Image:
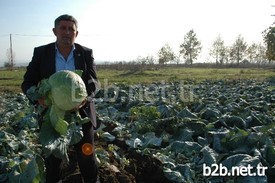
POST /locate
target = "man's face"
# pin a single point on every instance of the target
(65, 33)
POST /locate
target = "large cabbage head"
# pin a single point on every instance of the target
(68, 90)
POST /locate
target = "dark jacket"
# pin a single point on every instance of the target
(42, 66)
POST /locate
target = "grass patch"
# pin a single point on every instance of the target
(11, 80)
(175, 74)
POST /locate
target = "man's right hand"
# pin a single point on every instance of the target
(41, 102)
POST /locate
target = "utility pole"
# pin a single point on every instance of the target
(11, 54)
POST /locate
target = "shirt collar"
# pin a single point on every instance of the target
(57, 50)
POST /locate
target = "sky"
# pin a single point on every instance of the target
(123, 30)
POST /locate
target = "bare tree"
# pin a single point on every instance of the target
(144, 62)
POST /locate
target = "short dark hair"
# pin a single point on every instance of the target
(66, 18)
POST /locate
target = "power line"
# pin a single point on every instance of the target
(26, 35)
(37, 35)
(33, 35)
(4, 35)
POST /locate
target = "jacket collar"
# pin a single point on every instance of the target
(79, 57)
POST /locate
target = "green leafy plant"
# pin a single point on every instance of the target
(232, 124)
(145, 113)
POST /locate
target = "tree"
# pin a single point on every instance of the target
(166, 54)
(149, 60)
(252, 52)
(238, 49)
(191, 47)
(177, 59)
(261, 54)
(269, 40)
(218, 50)
(144, 61)
(256, 53)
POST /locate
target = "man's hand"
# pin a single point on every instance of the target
(41, 102)
(81, 105)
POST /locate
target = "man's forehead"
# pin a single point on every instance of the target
(67, 23)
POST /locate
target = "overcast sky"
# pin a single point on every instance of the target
(124, 29)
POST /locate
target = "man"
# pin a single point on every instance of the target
(65, 54)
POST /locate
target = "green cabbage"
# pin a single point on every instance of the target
(64, 92)
(67, 90)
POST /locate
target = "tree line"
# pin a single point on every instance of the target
(239, 51)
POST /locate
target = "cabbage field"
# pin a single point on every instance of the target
(179, 131)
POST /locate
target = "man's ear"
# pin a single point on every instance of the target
(76, 34)
(54, 31)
